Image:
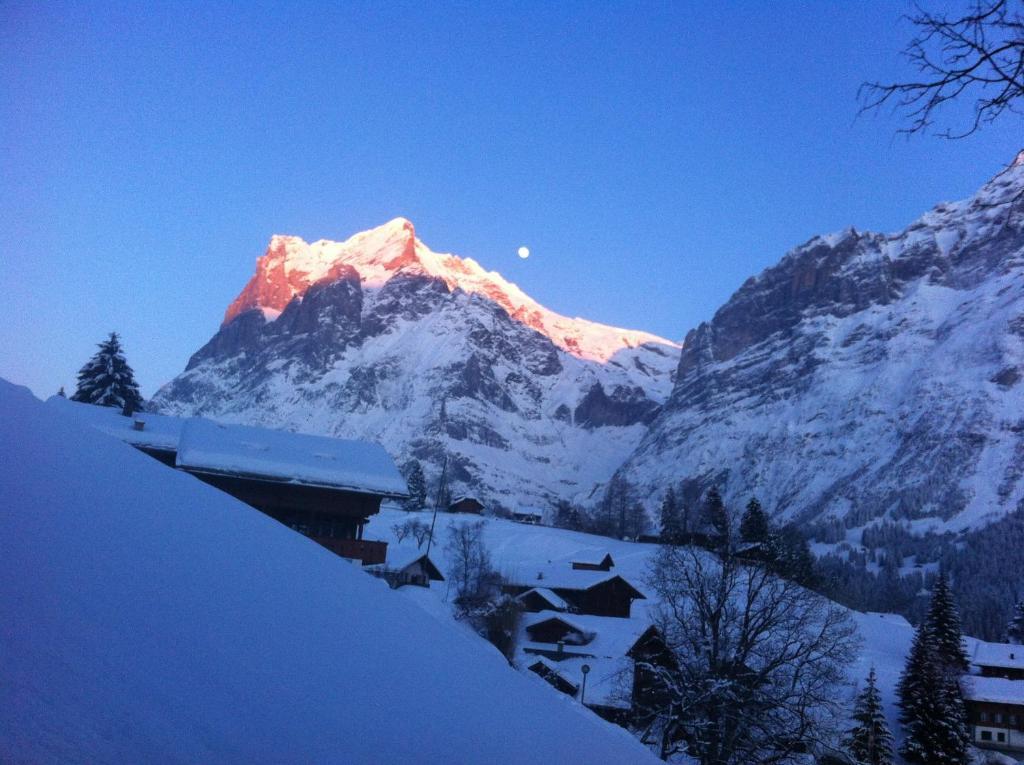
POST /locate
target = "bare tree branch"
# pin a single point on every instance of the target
(978, 56)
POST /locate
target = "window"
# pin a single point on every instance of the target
(998, 717)
(1001, 738)
(1013, 720)
(986, 735)
(983, 716)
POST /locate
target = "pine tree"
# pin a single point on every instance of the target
(869, 742)
(417, 484)
(671, 523)
(931, 707)
(107, 380)
(754, 526)
(716, 516)
(61, 392)
(944, 625)
(1015, 630)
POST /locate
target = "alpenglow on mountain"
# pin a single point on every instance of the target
(865, 377)
(380, 338)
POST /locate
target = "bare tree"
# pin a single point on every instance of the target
(978, 55)
(472, 573)
(760, 660)
(414, 527)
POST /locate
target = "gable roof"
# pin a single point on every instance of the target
(298, 458)
(556, 602)
(606, 562)
(995, 690)
(401, 557)
(562, 576)
(613, 637)
(1001, 655)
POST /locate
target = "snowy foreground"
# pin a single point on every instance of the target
(150, 618)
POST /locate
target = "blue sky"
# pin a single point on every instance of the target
(652, 155)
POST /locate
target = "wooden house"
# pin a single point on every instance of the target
(994, 696)
(325, 488)
(407, 566)
(466, 505)
(532, 517)
(598, 593)
(603, 564)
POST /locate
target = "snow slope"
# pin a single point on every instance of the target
(150, 618)
(378, 338)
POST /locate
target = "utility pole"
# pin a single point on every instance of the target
(437, 501)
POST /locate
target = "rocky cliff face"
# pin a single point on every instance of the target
(380, 338)
(866, 376)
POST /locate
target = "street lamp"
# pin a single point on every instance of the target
(585, 669)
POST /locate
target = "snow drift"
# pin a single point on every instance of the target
(151, 618)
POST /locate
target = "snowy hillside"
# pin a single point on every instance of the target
(380, 338)
(151, 618)
(864, 377)
(520, 549)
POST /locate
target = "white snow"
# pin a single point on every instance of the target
(148, 617)
(1002, 655)
(997, 690)
(296, 457)
(158, 431)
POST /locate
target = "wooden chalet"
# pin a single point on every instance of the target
(466, 505)
(621, 657)
(531, 517)
(324, 488)
(584, 591)
(994, 696)
(407, 566)
(604, 564)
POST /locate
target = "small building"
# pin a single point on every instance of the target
(994, 696)
(603, 564)
(407, 565)
(618, 657)
(541, 599)
(466, 505)
(584, 591)
(532, 517)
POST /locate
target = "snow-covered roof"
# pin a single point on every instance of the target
(403, 556)
(549, 596)
(278, 455)
(613, 637)
(996, 690)
(1002, 655)
(159, 431)
(562, 575)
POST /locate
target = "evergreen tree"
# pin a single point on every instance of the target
(790, 556)
(1015, 630)
(671, 522)
(754, 526)
(944, 625)
(869, 742)
(417, 484)
(107, 380)
(61, 392)
(931, 707)
(716, 517)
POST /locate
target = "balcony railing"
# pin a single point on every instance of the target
(366, 550)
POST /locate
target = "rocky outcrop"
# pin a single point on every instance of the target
(865, 376)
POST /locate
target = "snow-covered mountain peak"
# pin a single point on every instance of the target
(291, 265)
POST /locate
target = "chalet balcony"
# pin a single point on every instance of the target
(366, 550)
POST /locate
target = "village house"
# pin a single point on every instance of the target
(324, 488)
(606, 663)
(466, 505)
(591, 589)
(532, 517)
(407, 565)
(994, 696)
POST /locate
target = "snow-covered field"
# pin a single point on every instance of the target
(150, 618)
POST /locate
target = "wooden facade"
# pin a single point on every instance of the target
(605, 564)
(466, 505)
(997, 726)
(610, 597)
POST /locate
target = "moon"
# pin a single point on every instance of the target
(524, 252)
